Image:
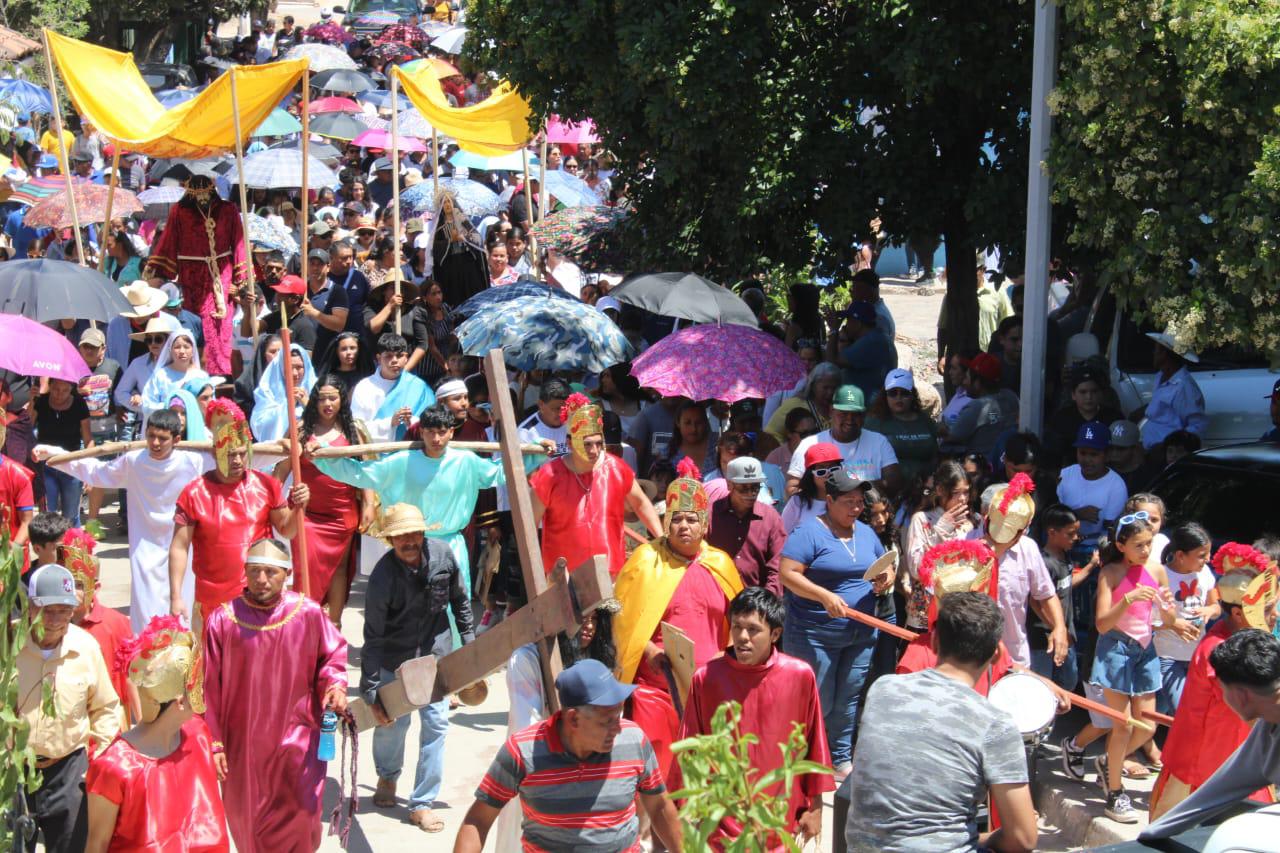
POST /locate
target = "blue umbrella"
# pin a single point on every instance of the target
(570, 190)
(536, 333)
(377, 97)
(505, 293)
(268, 235)
(473, 197)
(26, 96)
(278, 123)
(513, 162)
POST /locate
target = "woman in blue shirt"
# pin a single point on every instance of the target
(822, 568)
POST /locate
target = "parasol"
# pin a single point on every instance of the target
(43, 290)
(536, 333)
(35, 350)
(322, 57)
(53, 211)
(714, 362)
(686, 296)
(473, 198)
(525, 287)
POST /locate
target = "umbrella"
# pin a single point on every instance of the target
(333, 104)
(268, 234)
(687, 296)
(377, 97)
(322, 57)
(91, 206)
(170, 98)
(343, 80)
(411, 123)
(219, 63)
(536, 333)
(281, 168)
(522, 288)
(439, 67)
(338, 126)
(180, 169)
(322, 151)
(402, 33)
(38, 188)
(474, 198)
(450, 41)
(157, 201)
(513, 162)
(570, 190)
(45, 290)
(727, 363)
(381, 16)
(35, 350)
(559, 130)
(575, 231)
(278, 123)
(26, 96)
(382, 139)
(393, 51)
(328, 32)
(372, 122)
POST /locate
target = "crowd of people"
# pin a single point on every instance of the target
(767, 539)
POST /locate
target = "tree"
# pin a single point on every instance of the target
(757, 134)
(1166, 144)
(68, 17)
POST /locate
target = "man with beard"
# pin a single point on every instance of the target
(867, 455)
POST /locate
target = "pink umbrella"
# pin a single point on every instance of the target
(721, 362)
(559, 130)
(333, 104)
(382, 139)
(32, 349)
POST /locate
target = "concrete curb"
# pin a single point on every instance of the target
(1075, 808)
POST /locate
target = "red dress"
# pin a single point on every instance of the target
(167, 805)
(15, 497)
(332, 523)
(584, 512)
(110, 628)
(227, 518)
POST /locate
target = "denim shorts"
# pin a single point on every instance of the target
(1123, 665)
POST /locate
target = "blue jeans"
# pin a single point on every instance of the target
(62, 494)
(388, 750)
(1173, 677)
(840, 658)
(1064, 676)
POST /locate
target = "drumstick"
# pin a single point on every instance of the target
(880, 624)
(1089, 704)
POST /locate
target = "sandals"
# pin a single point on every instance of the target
(426, 820)
(1135, 771)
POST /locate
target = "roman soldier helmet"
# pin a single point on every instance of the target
(1011, 510)
(164, 663)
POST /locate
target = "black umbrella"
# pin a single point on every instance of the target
(337, 126)
(45, 290)
(686, 296)
(322, 151)
(343, 80)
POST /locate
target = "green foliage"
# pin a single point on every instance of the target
(68, 17)
(1167, 143)
(720, 782)
(18, 768)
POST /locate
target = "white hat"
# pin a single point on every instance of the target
(744, 469)
(1167, 341)
(899, 377)
(50, 585)
(145, 299)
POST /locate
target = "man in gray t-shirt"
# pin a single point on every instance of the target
(930, 747)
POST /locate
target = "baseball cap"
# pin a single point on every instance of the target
(1093, 435)
(862, 311)
(414, 226)
(321, 229)
(608, 303)
(587, 682)
(744, 469)
(48, 161)
(381, 163)
(51, 585)
(849, 399)
(292, 285)
(842, 483)
(93, 338)
(986, 365)
(899, 377)
(24, 116)
(822, 452)
(320, 255)
(170, 290)
(1125, 434)
(1275, 389)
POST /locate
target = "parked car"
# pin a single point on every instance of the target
(352, 11)
(167, 75)
(1233, 491)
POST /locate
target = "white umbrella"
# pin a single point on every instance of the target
(323, 57)
(450, 41)
(281, 168)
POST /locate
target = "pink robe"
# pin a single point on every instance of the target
(266, 672)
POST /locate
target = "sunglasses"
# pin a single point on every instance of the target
(155, 339)
(824, 473)
(1132, 518)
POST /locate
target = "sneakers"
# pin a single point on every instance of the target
(1072, 759)
(1119, 808)
(1100, 767)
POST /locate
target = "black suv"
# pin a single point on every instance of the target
(1233, 491)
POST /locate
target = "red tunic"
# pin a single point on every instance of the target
(584, 512)
(110, 628)
(15, 498)
(919, 655)
(332, 520)
(167, 805)
(227, 518)
(774, 696)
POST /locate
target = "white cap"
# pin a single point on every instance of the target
(899, 377)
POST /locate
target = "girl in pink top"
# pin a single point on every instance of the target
(1132, 594)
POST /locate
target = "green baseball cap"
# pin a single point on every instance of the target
(849, 399)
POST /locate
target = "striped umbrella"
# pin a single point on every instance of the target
(38, 188)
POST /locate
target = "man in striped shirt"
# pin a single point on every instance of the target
(577, 775)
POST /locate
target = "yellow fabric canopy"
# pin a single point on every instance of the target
(497, 125)
(107, 88)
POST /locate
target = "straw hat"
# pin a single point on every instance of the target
(408, 290)
(400, 519)
(145, 299)
(155, 326)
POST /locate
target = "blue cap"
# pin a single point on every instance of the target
(1093, 435)
(24, 116)
(48, 161)
(589, 682)
(862, 311)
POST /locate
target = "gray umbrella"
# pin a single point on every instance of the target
(343, 80)
(686, 296)
(45, 290)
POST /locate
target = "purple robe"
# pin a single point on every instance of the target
(266, 672)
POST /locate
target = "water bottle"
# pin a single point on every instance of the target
(326, 749)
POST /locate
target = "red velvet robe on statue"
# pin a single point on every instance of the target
(774, 696)
(266, 672)
(181, 253)
(167, 805)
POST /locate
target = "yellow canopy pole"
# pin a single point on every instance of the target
(395, 191)
(106, 219)
(435, 164)
(305, 147)
(244, 208)
(528, 204)
(62, 146)
(542, 177)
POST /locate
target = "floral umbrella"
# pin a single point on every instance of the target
(322, 57)
(329, 33)
(91, 206)
(718, 362)
(403, 33)
(474, 198)
(271, 235)
(394, 51)
(577, 231)
(536, 333)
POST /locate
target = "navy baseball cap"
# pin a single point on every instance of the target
(1093, 435)
(862, 311)
(589, 682)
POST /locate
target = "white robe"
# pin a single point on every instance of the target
(153, 488)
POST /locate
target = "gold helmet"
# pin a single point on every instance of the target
(581, 418)
(230, 431)
(1011, 510)
(686, 494)
(165, 664)
(77, 557)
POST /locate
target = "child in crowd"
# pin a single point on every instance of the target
(1061, 532)
(1093, 491)
(1195, 593)
(949, 517)
(46, 532)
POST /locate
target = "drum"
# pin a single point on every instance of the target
(1029, 701)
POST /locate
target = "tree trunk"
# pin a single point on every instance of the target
(962, 290)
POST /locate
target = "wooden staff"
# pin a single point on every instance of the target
(395, 189)
(62, 145)
(393, 446)
(1157, 717)
(301, 578)
(244, 209)
(435, 164)
(879, 624)
(542, 177)
(528, 201)
(111, 197)
(305, 147)
(111, 447)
